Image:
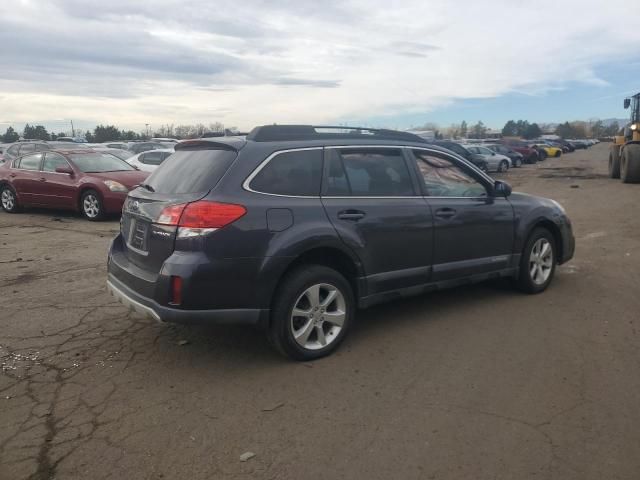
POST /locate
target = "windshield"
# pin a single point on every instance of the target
(99, 162)
(121, 154)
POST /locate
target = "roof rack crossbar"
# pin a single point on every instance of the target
(271, 133)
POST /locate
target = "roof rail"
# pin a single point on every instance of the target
(272, 133)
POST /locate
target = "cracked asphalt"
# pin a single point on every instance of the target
(479, 382)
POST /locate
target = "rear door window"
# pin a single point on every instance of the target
(191, 171)
(296, 173)
(374, 172)
(30, 162)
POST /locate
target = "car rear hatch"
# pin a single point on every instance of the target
(151, 213)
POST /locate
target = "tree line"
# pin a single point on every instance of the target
(109, 133)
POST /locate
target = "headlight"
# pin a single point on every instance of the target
(634, 126)
(115, 186)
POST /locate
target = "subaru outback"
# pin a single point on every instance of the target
(295, 228)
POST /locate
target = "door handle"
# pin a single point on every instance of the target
(445, 212)
(354, 215)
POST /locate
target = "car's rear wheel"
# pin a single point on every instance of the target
(9, 199)
(312, 312)
(91, 205)
(517, 163)
(558, 153)
(503, 166)
(542, 155)
(630, 164)
(538, 262)
(614, 161)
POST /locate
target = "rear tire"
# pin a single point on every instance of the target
(542, 155)
(313, 310)
(630, 164)
(91, 205)
(614, 161)
(558, 154)
(538, 262)
(9, 199)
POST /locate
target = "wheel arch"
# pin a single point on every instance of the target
(331, 256)
(82, 190)
(549, 225)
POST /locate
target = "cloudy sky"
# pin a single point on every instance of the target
(371, 62)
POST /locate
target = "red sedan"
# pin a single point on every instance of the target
(94, 183)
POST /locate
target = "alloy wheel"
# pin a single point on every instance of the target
(8, 199)
(91, 206)
(318, 316)
(541, 261)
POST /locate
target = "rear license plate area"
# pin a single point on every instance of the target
(138, 235)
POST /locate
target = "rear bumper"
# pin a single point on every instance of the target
(151, 309)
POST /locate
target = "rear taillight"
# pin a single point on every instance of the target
(171, 215)
(200, 216)
(205, 214)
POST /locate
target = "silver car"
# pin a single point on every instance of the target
(495, 161)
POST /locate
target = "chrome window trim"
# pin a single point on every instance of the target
(246, 184)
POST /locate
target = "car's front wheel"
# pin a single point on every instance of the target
(538, 262)
(312, 312)
(503, 166)
(8, 199)
(91, 205)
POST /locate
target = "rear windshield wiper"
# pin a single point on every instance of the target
(147, 187)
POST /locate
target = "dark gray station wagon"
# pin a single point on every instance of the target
(294, 228)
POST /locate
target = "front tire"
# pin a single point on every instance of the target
(91, 206)
(630, 164)
(614, 162)
(313, 309)
(558, 154)
(538, 262)
(503, 166)
(9, 199)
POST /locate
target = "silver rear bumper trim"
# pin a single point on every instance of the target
(127, 301)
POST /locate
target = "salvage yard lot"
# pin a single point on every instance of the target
(477, 382)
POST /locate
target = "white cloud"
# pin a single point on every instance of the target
(254, 62)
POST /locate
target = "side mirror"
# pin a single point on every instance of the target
(66, 170)
(493, 154)
(501, 189)
(627, 103)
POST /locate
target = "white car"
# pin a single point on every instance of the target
(495, 161)
(148, 161)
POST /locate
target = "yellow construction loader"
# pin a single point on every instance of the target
(624, 155)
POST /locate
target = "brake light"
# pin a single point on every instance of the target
(204, 214)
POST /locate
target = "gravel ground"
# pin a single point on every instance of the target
(478, 382)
